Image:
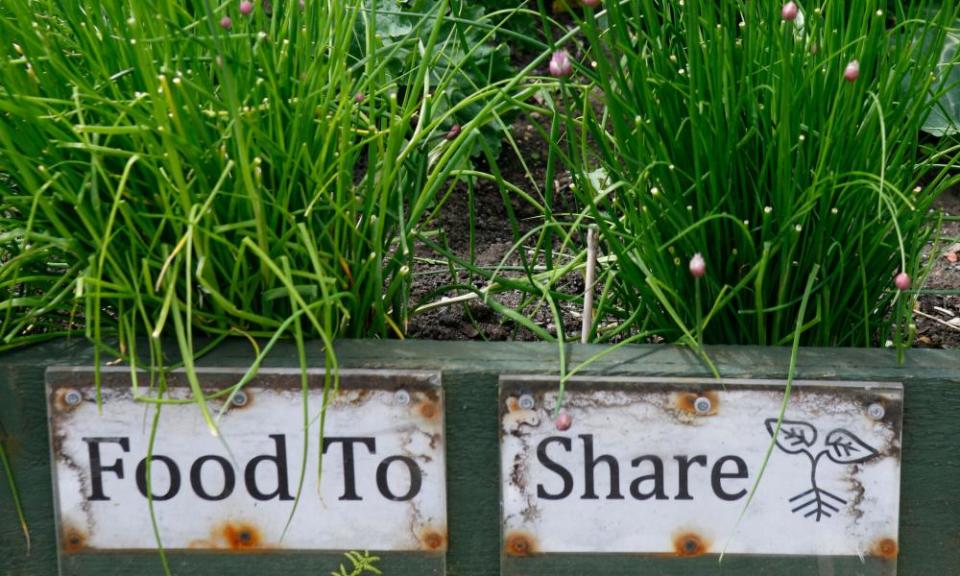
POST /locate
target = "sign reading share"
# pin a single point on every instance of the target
(382, 485)
(665, 466)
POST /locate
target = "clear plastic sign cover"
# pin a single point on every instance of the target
(667, 467)
(258, 485)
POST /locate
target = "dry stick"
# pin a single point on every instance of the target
(589, 280)
(935, 319)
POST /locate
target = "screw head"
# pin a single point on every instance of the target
(402, 397)
(702, 405)
(239, 399)
(526, 402)
(72, 397)
(876, 411)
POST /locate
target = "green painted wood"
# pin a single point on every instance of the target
(197, 564)
(930, 504)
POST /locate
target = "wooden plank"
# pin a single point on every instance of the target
(704, 565)
(473, 473)
(24, 417)
(203, 564)
(930, 508)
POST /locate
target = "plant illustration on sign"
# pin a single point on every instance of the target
(840, 446)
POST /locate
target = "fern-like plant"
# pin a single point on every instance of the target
(362, 563)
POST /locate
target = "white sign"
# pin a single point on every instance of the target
(382, 485)
(666, 466)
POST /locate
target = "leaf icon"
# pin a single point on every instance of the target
(794, 436)
(844, 447)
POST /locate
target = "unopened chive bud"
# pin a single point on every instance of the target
(226, 23)
(698, 267)
(564, 421)
(560, 65)
(902, 281)
(246, 7)
(789, 11)
(852, 71)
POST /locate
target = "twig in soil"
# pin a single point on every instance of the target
(935, 319)
(494, 286)
(588, 282)
(942, 310)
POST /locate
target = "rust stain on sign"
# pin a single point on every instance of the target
(885, 548)
(241, 535)
(693, 402)
(428, 410)
(382, 487)
(687, 452)
(73, 539)
(519, 543)
(66, 399)
(433, 540)
(689, 544)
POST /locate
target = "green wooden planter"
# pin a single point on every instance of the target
(930, 475)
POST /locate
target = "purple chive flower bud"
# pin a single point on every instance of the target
(591, 3)
(267, 8)
(564, 421)
(358, 98)
(902, 281)
(246, 7)
(226, 23)
(698, 267)
(852, 71)
(453, 133)
(789, 11)
(560, 65)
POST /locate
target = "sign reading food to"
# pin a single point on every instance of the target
(668, 465)
(259, 483)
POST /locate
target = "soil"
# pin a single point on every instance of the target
(493, 243)
(938, 317)
(938, 306)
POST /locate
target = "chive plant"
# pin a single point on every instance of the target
(202, 168)
(183, 171)
(772, 140)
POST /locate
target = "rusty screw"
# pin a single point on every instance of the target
(702, 405)
(527, 402)
(72, 397)
(876, 411)
(239, 399)
(402, 397)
